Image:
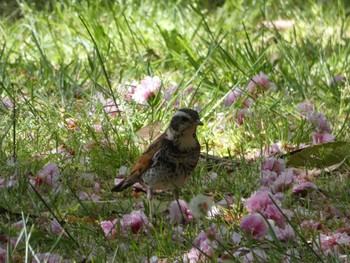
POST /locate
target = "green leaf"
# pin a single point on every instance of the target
(321, 155)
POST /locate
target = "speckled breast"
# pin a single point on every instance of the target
(171, 168)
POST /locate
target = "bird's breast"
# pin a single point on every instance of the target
(187, 143)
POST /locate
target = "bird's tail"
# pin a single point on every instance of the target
(123, 185)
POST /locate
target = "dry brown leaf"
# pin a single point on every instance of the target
(151, 131)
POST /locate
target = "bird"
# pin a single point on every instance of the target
(169, 161)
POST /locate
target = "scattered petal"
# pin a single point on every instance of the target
(319, 122)
(291, 255)
(146, 89)
(273, 164)
(255, 255)
(7, 102)
(337, 79)
(259, 84)
(169, 92)
(236, 238)
(275, 149)
(303, 188)
(283, 181)
(236, 96)
(267, 177)
(306, 107)
(258, 201)
(193, 256)
(284, 234)
(255, 225)
(109, 228)
(135, 221)
(56, 227)
(48, 177)
(322, 137)
(311, 224)
(179, 212)
(240, 115)
(47, 257)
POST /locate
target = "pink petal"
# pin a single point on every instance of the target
(259, 201)
(322, 138)
(259, 83)
(109, 228)
(306, 107)
(273, 164)
(273, 212)
(47, 257)
(255, 225)
(56, 227)
(50, 174)
(256, 256)
(193, 256)
(318, 120)
(236, 238)
(283, 181)
(233, 96)
(178, 216)
(286, 234)
(303, 188)
(135, 221)
(240, 115)
(7, 102)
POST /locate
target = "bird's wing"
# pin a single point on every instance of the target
(145, 161)
(142, 164)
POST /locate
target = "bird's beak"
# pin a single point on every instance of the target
(198, 122)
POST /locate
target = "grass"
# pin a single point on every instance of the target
(60, 60)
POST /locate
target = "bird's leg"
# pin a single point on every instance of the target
(150, 203)
(176, 195)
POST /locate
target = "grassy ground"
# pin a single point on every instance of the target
(67, 69)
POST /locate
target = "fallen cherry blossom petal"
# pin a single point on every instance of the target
(255, 255)
(318, 120)
(135, 221)
(46, 257)
(147, 88)
(240, 115)
(306, 107)
(179, 212)
(322, 137)
(283, 181)
(258, 201)
(273, 164)
(236, 238)
(109, 228)
(7, 102)
(56, 227)
(284, 234)
(255, 225)
(260, 83)
(303, 188)
(193, 256)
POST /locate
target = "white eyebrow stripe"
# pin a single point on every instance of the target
(181, 113)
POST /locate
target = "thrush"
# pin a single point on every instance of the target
(170, 160)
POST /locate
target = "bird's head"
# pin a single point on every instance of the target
(184, 121)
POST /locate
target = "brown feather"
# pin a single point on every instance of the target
(141, 165)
